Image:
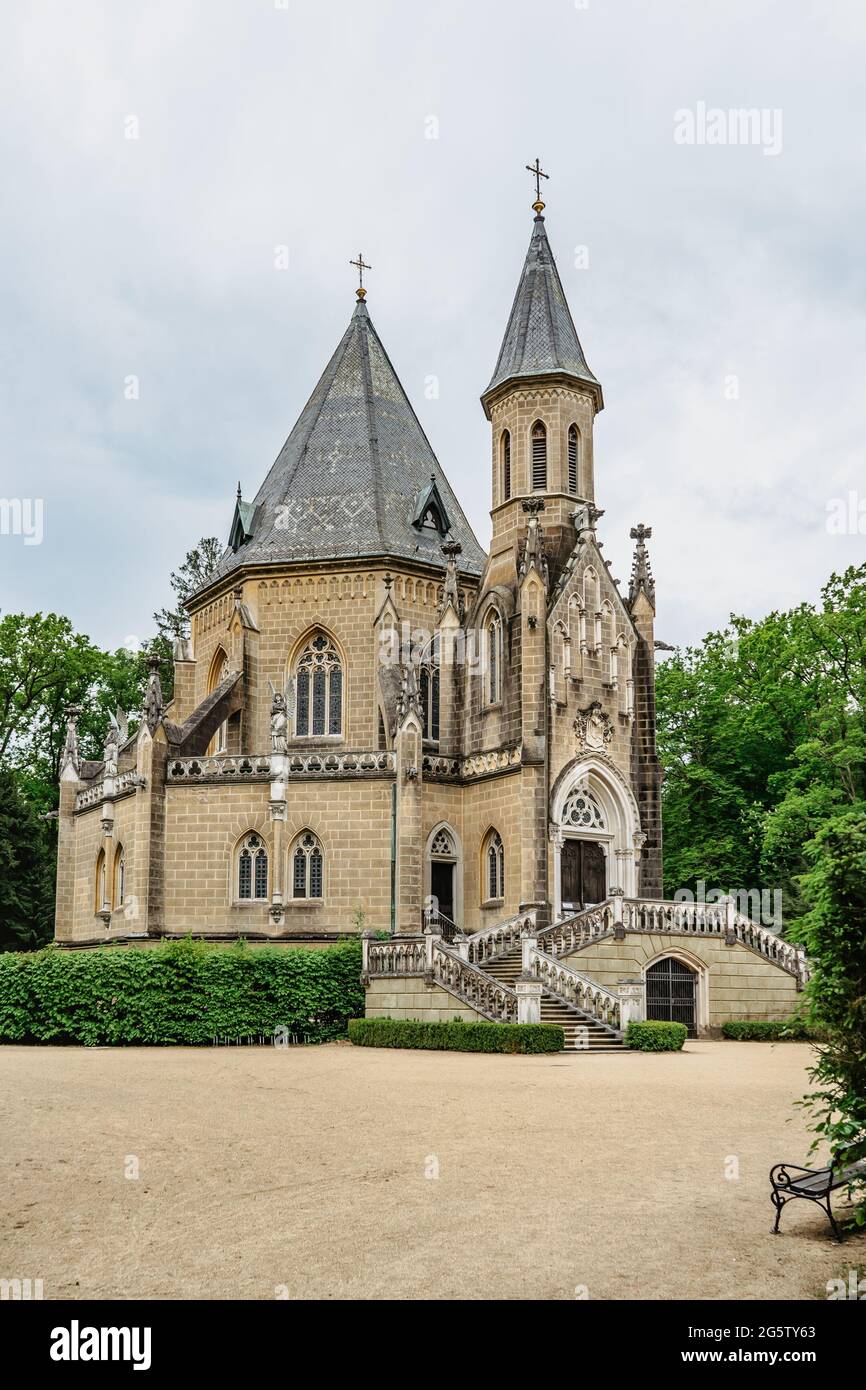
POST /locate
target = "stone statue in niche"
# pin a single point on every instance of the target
(279, 719)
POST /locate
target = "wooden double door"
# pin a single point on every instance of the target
(583, 873)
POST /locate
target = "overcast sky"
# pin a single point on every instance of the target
(722, 306)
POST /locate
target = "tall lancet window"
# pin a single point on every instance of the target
(572, 459)
(506, 466)
(539, 457)
(428, 683)
(319, 689)
(494, 659)
(307, 867)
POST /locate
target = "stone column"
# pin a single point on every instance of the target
(632, 992)
(617, 896)
(528, 999)
(410, 849)
(277, 812)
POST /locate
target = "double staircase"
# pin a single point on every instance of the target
(582, 1032)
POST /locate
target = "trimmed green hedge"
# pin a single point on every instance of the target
(183, 992)
(457, 1036)
(654, 1035)
(767, 1030)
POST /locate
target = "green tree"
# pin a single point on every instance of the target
(196, 568)
(27, 858)
(833, 932)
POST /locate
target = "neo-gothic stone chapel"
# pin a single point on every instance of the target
(377, 727)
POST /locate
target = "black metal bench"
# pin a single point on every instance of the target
(813, 1184)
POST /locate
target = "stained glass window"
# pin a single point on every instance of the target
(307, 868)
(252, 870)
(319, 711)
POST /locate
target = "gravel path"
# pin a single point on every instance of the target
(311, 1172)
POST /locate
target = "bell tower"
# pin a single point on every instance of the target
(541, 402)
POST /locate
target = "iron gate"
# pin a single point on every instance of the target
(670, 993)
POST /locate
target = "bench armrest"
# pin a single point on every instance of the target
(783, 1174)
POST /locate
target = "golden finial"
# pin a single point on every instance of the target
(539, 174)
(362, 266)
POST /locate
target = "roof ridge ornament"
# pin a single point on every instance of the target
(538, 174)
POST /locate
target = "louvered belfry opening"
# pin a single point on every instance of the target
(671, 993)
(572, 459)
(539, 458)
(506, 466)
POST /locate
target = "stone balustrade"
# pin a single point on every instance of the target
(495, 941)
(573, 933)
(256, 767)
(576, 989)
(426, 955)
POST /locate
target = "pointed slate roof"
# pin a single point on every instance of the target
(350, 478)
(540, 337)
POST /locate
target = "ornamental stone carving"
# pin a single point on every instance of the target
(593, 727)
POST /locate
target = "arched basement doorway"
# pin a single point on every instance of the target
(672, 993)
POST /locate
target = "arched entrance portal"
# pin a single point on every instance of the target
(595, 829)
(443, 886)
(671, 993)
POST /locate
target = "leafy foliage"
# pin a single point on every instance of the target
(27, 856)
(457, 1036)
(654, 1035)
(182, 992)
(762, 739)
(767, 1030)
(834, 935)
(196, 568)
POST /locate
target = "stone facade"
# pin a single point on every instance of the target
(374, 720)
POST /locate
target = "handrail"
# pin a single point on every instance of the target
(504, 936)
(572, 987)
(573, 933)
(475, 987)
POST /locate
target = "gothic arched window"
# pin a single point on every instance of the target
(506, 466)
(494, 866)
(318, 689)
(218, 671)
(252, 870)
(539, 457)
(493, 633)
(572, 458)
(119, 876)
(101, 885)
(428, 685)
(307, 867)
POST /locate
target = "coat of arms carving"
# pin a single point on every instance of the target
(593, 727)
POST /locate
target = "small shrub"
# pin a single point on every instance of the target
(456, 1036)
(654, 1035)
(767, 1030)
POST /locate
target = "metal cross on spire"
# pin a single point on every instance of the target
(539, 174)
(361, 266)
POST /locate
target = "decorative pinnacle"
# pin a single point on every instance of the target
(361, 266)
(641, 570)
(539, 174)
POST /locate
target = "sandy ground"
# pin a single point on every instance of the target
(309, 1172)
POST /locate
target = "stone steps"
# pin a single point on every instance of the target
(582, 1032)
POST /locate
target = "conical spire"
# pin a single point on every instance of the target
(540, 339)
(350, 478)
